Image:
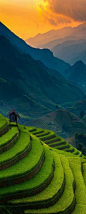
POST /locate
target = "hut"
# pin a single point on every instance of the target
(13, 115)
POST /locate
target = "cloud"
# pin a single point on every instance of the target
(52, 21)
(71, 9)
(52, 17)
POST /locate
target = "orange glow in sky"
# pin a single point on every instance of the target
(26, 18)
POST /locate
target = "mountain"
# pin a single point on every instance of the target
(70, 51)
(41, 39)
(45, 55)
(77, 74)
(76, 51)
(15, 76)
(79, 31)
(32, 89)
(62, 44)
(50, 45)
(81, 55)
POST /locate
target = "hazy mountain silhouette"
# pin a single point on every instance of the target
(61, 48)
(79, 31)
(71, 51)
(62, 44)
(41, 39)
(50, 45)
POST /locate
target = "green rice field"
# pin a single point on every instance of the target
(40, 172)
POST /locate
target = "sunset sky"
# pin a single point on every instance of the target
(26, 18)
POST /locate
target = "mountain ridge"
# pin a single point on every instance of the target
(50, 61)
(34, 81)
(78, 31)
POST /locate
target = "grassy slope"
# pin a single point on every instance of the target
(19, 147)
(53, 140)
(66, 190)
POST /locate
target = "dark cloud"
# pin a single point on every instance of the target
(74, 9)
(53, 18)
(52, 21)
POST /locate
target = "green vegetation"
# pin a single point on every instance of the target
(37, 178)
(22, 167)
(80, 209)
(2, 123)
(22, 144)
(80, 189)
(67, 197)
(37, 181)
(53, 140)
(6, 138)
(53, 190)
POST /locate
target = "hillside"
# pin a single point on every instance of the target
(31, 171)
(62, 122)
(79, 106)
(29, 86)
(45, 55)
(77, 74)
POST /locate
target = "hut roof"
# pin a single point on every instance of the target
(13, 111)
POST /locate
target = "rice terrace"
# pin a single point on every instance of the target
(39, 172)
(43, 107)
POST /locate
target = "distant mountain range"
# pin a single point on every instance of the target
(68, 44)
(42, 39)
(71, 51)
(45, 55)
(52, 44)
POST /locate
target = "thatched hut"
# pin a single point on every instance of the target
(13, 115)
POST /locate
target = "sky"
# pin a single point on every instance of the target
(26, 18)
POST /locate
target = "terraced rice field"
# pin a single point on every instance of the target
(40, 172)
(53, 140)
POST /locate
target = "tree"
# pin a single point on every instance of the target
(84, 151)
(79, 146)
